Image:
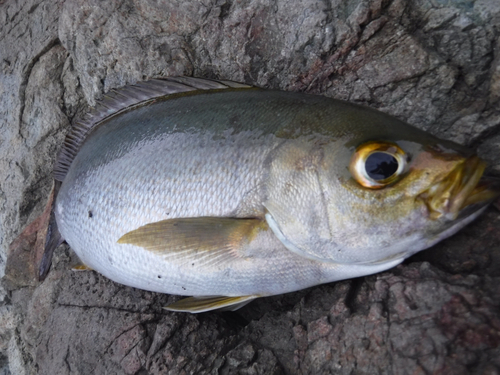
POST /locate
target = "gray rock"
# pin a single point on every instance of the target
(433, 64)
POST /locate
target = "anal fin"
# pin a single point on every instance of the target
(81, 267)
(196, 305)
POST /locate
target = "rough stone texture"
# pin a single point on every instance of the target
(434, 64)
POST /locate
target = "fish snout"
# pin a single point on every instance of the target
(464, 186)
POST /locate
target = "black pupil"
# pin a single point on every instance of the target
(380, 166)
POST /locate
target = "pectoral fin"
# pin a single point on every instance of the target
(202, 304)
(196, 238)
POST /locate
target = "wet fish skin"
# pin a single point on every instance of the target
(216, 159)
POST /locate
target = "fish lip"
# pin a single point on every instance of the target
(465, 186)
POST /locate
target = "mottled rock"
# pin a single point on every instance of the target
(433, 64)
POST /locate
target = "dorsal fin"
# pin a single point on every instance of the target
(125, 98)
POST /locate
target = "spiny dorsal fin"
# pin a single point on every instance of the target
(123, 99)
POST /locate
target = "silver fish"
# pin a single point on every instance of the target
(227, 192)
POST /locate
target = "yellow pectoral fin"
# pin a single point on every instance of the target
(196, 305)
(191, 237)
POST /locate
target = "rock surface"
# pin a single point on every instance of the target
(433, 64)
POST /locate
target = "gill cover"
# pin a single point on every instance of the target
(295, 204)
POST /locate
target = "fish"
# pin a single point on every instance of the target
(225, 192)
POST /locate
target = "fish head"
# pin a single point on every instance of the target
(404, 197)
(377, 200)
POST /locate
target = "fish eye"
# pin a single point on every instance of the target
(377, 164)
(380, 165)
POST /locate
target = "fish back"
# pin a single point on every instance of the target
(125, 99)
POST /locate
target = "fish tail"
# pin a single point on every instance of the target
(52, 240)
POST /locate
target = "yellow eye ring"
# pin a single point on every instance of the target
(377, 164)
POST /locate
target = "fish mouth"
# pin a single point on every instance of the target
(464, 186)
